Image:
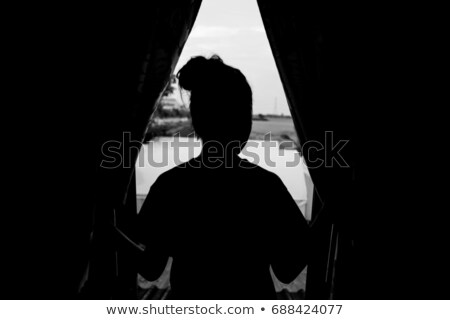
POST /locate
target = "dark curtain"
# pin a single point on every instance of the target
(84, 74)
(369, 74)
(308, 45)
(141, 53)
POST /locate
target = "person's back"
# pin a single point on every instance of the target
(224, 227)
(225, 222)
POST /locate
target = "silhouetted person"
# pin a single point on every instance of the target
(224, 220)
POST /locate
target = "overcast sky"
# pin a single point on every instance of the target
(233, 29)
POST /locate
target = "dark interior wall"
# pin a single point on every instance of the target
(397, 124)
(67, 67)
(51, 155)
(391, 81)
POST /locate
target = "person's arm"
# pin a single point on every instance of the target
(126, 243)
(152, 226)
(290, 242)
(150, 263)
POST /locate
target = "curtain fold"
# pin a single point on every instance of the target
(307, 41)
(138, 49)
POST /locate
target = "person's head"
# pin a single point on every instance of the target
(220, 100)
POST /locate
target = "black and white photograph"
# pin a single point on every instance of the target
(225, 150)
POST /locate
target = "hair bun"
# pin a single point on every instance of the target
(197, 71)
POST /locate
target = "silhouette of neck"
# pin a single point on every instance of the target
(216, 154)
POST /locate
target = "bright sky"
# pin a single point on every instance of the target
(234, 30)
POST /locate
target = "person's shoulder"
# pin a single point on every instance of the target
(258, 171)
(177, 171)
